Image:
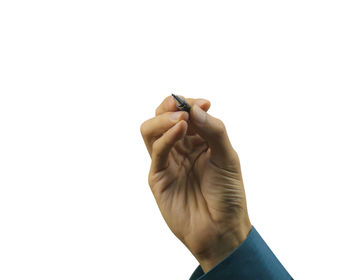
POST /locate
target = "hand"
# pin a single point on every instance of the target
(196, 179)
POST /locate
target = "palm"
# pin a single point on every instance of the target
(191, 192)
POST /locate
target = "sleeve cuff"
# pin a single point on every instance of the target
(252, 259)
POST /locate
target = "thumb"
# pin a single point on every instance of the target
(214, 132)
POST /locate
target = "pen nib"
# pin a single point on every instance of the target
(181, 103)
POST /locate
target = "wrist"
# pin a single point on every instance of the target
(223, 247)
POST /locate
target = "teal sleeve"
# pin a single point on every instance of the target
(251, 260)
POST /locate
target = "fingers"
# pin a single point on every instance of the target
(162, 146)
(169, 104)
(155, 127)
(214, 132)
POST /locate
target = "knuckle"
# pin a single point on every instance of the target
(153, 179)
(150, 179)
(220, 127)
(157, 111)
(143, 128)
(166, 143)
(235, 155)
(159, 146)
(155, 149)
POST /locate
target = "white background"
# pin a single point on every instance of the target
(77, 79)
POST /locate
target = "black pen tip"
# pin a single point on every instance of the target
(177, 98)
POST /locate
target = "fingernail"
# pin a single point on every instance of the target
(175, 116)
(199, 114)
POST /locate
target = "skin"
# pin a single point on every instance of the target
(195, 177)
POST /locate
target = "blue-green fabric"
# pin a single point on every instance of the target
(251, 260)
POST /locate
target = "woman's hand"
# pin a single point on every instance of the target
(196, 179)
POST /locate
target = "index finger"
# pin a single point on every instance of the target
(169, 104)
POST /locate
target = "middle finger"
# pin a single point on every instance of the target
(154, 128)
